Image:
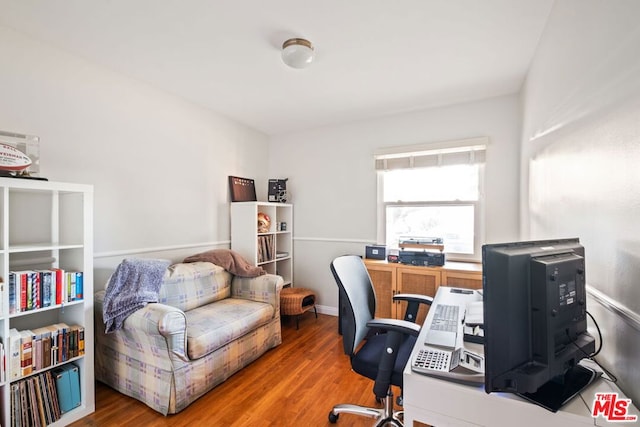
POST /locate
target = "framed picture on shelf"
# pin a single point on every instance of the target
(242, 189)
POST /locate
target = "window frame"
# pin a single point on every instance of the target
(479, 213)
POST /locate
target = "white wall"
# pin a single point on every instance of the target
(159, 164)
(580, 158)
(333, 182)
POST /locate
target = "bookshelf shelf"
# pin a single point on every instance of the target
(39, 371)
(46, 225)
(45, 309)
(35, 247)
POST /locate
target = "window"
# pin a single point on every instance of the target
(433, 191)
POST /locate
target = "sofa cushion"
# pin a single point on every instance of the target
(187, 286)
(212, 326)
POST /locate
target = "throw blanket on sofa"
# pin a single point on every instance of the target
(135, 283)
(230, 260)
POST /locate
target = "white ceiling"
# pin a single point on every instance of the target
(373, 57)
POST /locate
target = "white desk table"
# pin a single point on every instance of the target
(439, 402)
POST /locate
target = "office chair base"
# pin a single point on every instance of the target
(384, 416)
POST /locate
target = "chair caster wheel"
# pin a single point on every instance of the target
(333, 418)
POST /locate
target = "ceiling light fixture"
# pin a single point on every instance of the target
(297, 53)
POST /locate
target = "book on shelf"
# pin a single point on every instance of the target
(74, 341)
(54, 343)
(26, 285)
(13, 300)
(71, 285)
(63, 342)
(46, 285)
(26, 352)
(14, 353)
(35, 301)
(79, 284)
(58, 274)
(266, 248)
(24, 404)
(34, 401)
(43, 348)
(20, 283)
(15, 403)
(45, 407)
(74, 281)
(37, 350)
(81, 351)
(53, 393)
(51, 397)
(23, 290)
(40, 348)
(31, 290)
(39, 403)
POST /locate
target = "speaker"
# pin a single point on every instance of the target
(376, 252)
(278, 190)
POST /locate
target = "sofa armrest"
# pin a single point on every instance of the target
(164, 320)
(154, 327)
(265, 288)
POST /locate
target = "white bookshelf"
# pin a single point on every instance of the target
(248, 242)
(46, 225)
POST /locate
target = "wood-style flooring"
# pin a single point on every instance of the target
(295, 384)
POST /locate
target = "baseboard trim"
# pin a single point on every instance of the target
(327, 309)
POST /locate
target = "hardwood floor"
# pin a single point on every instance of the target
(295, 384)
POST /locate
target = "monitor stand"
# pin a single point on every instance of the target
(560, 390)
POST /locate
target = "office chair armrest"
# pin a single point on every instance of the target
(421, 299)
(395, 325)
(413, 304)
(396, 333)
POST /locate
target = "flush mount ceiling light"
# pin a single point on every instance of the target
(297, 53)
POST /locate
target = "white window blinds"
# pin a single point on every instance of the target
(459, 152)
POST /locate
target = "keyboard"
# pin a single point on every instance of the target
(443, 331)
(445, 318)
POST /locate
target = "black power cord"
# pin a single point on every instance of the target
(612, 378)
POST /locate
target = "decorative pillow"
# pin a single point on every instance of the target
(230, 260)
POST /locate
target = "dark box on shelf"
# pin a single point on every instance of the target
(376, 252)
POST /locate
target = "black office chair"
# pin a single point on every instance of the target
(387, 342)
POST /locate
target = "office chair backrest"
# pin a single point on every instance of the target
(358, 300)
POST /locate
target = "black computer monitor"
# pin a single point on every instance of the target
(535, 321)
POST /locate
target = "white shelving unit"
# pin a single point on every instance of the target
(272, 250)
(46, 225)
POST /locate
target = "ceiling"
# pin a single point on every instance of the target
(373, 57)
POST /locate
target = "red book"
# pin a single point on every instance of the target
(22, 279)
(59, 278)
